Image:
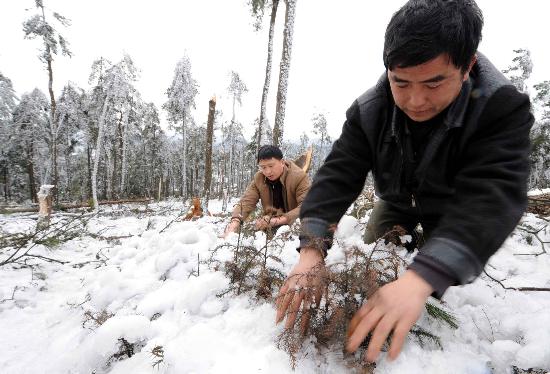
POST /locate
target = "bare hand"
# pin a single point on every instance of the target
(231, 228)
(394, 307)
(266, 222)
(303, 288)
(262, 223)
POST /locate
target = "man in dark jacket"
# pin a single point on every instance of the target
(446, 137)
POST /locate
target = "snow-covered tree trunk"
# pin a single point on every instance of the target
(231, 149)
(55, 128)
(184, 161)
(284, 70)
(89, 164)
(99, 144)
(208, 160)
(45, 206)
(267, 81)
(124, 148)
(30, 170)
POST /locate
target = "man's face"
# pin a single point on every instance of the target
(423, 91)
(271, 168)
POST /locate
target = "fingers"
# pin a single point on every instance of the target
(318, 296)
(280, 297)
(306, 311)
(362, 329)
(282, 311)
(397, 340)
(361, 313)
(379, 336)
(294, 309)
(258, 224)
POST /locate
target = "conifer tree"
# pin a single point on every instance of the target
(181, 99)
(39, 27)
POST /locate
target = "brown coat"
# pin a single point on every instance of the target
(295, 186)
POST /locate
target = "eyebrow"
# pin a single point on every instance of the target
(437, 78)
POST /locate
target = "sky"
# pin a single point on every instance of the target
(336, 52)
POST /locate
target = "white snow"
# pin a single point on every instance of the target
(149, 289)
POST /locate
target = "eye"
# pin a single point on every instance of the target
(433, 86)
(402, 85)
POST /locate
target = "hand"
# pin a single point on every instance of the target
(262, 223)
(394, 307)
(265, 222)
(232, 227)
(303, 287)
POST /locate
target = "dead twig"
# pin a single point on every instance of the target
(516, 288)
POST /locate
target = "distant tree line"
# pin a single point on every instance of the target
(518, 72)
(106, 142)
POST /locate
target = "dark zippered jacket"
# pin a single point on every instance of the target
(472, 175)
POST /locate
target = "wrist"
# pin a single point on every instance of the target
(421, 285)
(311, 254)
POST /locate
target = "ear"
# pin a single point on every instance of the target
(467, 72)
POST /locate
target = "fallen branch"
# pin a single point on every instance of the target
(56, 231)
(516, 288)
(48, 259)
(12, 295)
(76, 206)
(535, 232)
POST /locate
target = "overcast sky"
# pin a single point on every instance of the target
(336, 55)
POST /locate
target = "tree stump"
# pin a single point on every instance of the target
(195, 211)
(45, 205)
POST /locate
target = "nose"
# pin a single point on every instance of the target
(417, 99)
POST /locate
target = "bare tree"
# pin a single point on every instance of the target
(236, 88)
(258, 10)
(284, 71)
(209, 141)
(181, 99)
(38, 26)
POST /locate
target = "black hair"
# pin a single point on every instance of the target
(269, 151)
(423, 29)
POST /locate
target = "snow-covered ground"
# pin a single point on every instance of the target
(148, 288)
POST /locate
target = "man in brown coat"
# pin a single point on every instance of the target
(281, 187)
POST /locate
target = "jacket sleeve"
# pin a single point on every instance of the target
(301, 191)
(248, 202)
(337, 183)
(490, 192)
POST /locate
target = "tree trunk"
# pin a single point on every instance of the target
(116, 151)
(5, 171)
(30, 170)
(49, 60)
(262, 125)
(184, 161)
(45, 206)
(99, 144)
(231, 149)
(208, 159)
(124, 148)
(154, 166)
(160, 189)
(284, 70)
(89, 183)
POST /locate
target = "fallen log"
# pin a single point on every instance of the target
(76, 206)
(539, 204)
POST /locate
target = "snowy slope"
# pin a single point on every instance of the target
(144, 288)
